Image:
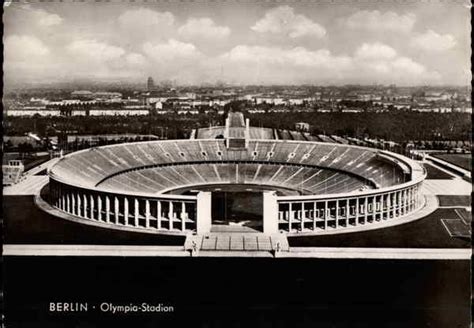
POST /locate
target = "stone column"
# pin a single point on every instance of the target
(183, 216)
(204, 213)
(126, 210)
(73, 203)
(170, 214)
(394, 204)
(374, 208)
(356, 213)
(116, 209)
(325, 215)
(68, 203)
(389, 205)
(347, 212)
(405, 202)
(147, 213)
(137, 212)
(158, 214)
(92, 207)
(59, 200)
(366, 209)
(303, 216)
(63, 202)
(270, 213)
(99, 208)
(79, 205)
(315, 208)
(107, 209)
(337, 213)
(290, 216)
(85, 205)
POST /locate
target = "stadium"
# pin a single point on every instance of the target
(235, 178)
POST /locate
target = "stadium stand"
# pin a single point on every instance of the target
(324, 138)
(91, 167)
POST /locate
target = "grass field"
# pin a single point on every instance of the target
(448, 200)
(436, 174)
(428, 232)
(462, 160)
(24, 223)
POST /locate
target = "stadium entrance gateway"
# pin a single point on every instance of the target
(239, 210)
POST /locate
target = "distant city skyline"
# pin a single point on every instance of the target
(239, 43)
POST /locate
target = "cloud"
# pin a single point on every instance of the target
(203, 27)
(41, 17)
(145, 22)
(283, 20)
(19, 47)
(377, 21)
(383, 62)
(260, 64)
(432, 41)
(47, 19)
(27, 58)
(407, 65)
(171, 51)
(135, 59)
(370, 62)
(298, 56)
(94, 50)
(375, 51)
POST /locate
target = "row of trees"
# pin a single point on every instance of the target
(396, 126)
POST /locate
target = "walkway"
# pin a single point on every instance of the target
(295, 252)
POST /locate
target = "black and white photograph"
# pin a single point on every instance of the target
(228, 163)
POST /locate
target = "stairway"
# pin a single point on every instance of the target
(237, 242)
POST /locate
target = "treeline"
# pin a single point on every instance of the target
(396, 126)
(167, 126)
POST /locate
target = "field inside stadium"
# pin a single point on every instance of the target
(462, 160)
(250, 188)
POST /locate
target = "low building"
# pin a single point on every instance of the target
(302, 126)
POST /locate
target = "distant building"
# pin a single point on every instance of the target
(302, 126)
(12, 172)
(150, 84)
(104, 95)
(81, 94)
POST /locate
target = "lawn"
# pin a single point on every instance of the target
(436, 174)
(461, 160)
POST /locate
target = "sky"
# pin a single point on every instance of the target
(324, 43)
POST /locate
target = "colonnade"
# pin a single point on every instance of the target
(323, 214)
(183, 214)
(177, 213)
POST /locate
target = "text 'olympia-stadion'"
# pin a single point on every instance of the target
(173, 186)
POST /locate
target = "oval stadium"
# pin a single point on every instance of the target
(235, 177)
